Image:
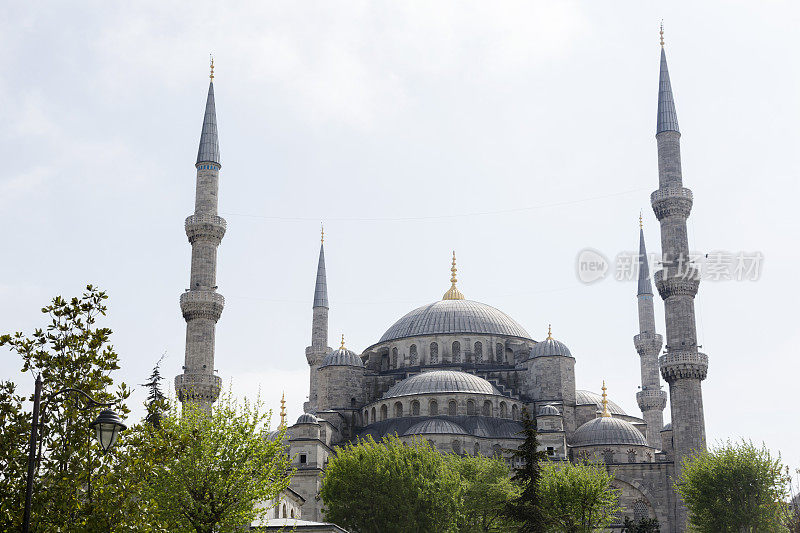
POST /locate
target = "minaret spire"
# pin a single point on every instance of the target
(667, 116)
(201, 305)
(651, 399)
(319, 326)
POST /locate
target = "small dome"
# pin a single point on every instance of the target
(435, 426)
(607, 431)
(667, 427)
(342, 357)
(307, 418)
(441, 381)
(549, 347)
(585, 397)
(548, 410)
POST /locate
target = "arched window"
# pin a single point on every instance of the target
(384, 412)
(608, 456)
(499, 352)
(456, 446)
(394, 357)
(412, 351)
(291, 513)
(415, 408)
(640, 510)
(284, 510)
(497, 451)
(514, 412)
(477, 450)
(366, 417)
(434, 353)
(373, 415)
(452, 408)
(478, 348)
(456, 352)
(487, 408)
(631, 456)
(503, 410)
(398, 409)
(433, 408)
(277, 511)
(471, 408)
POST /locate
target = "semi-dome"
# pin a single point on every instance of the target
(435, 426)
(307, 418)
(455, 317)
(441, 381)
(585, 397)
(548, 410)
(607, 431)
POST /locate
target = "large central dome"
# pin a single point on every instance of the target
(455, 316)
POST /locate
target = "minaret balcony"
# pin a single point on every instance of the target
(201, 388)
(683, 364)
(202, 304)
(648, 343)
(203, 226)
(685, 281)
(672, 201)
(649, 399)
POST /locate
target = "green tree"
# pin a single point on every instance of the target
(389, 487)
(645, 525)
(15, 426)
(525, 509)
(487, 489)
(156, 403)
(734, 487)
(576, 498)
(70, 351)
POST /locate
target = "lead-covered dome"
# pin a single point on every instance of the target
(607, 431)
(435, 426)
(585, 397)
(455, 316)
(550, 347)
(307, 418)
(441, 381)
(342, 357)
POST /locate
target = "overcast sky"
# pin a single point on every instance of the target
(516, 133)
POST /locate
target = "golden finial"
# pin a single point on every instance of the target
(212, 68)
(549, 332)
(640, 220)
(283, 410)
(342, 346)
(606, 413)
(661, 32)
(453, 293)
(322, 233)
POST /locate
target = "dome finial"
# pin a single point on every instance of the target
(661, 32)
(641, 225)
(549, 332)
(322, 233)
(342, 346)
(283, 410)
(453, 293)
(212, 67)
(606, 413)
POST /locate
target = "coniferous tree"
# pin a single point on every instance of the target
(156, 401)
(526, 509)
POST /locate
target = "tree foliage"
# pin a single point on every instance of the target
(576, 498)
(526, 508)
(70, 351)
(486, 490)
(156, 403)
(735, 487)
(645, 525)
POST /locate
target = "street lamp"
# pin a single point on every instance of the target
(107, 427)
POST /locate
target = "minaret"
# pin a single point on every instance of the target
(682, 365)
(651, 398)
(200, 304)
(319, 328)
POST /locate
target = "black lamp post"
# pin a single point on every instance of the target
(107, 427)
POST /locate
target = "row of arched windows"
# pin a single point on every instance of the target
(433, 351)
(487, 409)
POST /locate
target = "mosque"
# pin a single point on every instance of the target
(458, 373)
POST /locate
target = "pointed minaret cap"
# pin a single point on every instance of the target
(667, 116)
(645, 285)
(605, 413)
(208, 152)
(321, 288)
(453, 293)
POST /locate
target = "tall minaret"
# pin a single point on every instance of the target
(319, 328)
(651, 398)
(200, 304)
(682, 366)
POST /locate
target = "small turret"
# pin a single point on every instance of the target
(319, 327)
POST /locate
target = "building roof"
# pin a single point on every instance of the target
(549, 347)
(548, 410)
(475, 425)
(435, 426)
(342, 357)
(208, 151)
(307, 418)
(667, 116)
(585, 397)
(441, 381)
(454, 316)
(645, 286)
(321, 288)
(607, 431)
